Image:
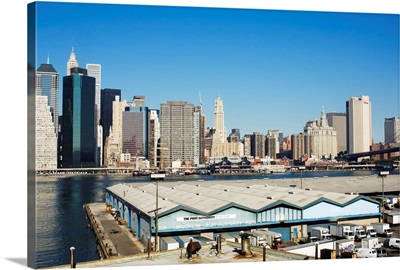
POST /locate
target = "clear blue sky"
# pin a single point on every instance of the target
(273, 69)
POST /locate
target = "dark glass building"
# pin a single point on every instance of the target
(79, 129)
(106, 114)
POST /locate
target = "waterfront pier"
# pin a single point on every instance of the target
(113, 239)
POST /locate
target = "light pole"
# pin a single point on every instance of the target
(301, 168)
(383, 174)
(156, 177)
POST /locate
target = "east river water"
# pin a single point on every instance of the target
(61, 220)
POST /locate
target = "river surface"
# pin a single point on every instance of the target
(61, 221)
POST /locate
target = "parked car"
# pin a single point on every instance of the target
(381, 252)
(366, 253)
(394, 242)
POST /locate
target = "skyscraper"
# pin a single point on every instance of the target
(47, 84)
(45, 136)
(72, 62)
(113, 142)
(94, 70)
(392, 130)
(153, 137)
(177, 132)
(219, 125)
(359, 124)
(79, 127)
(135, 131)
(197, 134)
(106, 108)
(338, 122)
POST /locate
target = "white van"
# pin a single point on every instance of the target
(394, 242)
(366, 253)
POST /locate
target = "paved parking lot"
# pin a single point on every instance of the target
(391, 252)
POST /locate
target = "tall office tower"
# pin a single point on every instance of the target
(177, 132)
(358, 124)
(72, 62)
(138, 101)
(392, 130)
(247, 145)
(45, 136)
(47, 84)
(258, 145)
(198, 136)
(325, 142)
(79, 128)
(134, 133)
(270, 146)
(94, 70)
(302, 145)
(153, 136)
(219, 125)
(338, 122)
(118, 109)
(203, 128)
(106, 115)
(278, 135)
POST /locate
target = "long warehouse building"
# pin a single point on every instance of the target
(190, 208)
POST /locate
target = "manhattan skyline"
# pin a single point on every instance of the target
(272, 69)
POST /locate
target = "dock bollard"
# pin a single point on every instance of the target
(264, 253)
(72, 257)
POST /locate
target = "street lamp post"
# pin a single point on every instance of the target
(156, 177)
(301, 168)
(383, 174)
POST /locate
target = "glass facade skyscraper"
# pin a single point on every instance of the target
(79, 129)
(47, 84)
(106, 115)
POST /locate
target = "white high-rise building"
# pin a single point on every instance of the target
(46, 139)
(359, 124)
(118, 109)
(392, 130)
(72, 62)
(219, 125)
(324, 137)
(94, 70)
